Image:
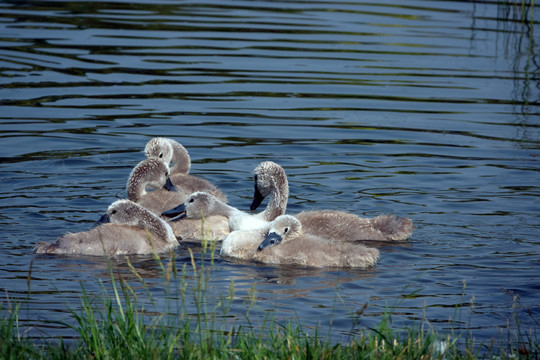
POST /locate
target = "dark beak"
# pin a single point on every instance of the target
(103, 220)
(270, 240)
(176, 213)
(257, 199)
(169, 185)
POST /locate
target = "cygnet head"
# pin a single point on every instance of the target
(125, 212)
(160, 148)
(197, 205)
(148, 173)
(128, 212)
(169, 151)
(283, 228)
(268, 177)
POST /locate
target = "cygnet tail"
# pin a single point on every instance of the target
(393, 228)
(46, 248)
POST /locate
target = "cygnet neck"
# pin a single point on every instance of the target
(220, 208)
(180, 161)
(140, 177)
(277, 204)
(148, 220)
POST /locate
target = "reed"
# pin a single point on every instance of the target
(115, 324)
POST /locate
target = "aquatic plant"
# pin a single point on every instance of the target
(117, 323)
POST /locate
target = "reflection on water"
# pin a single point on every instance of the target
(518, 43)
(423, 109)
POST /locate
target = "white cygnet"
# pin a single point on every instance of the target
(242, 244)
(203, 205)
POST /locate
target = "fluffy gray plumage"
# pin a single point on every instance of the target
(271, 180)
(342, 226)
(152, 173)
(132, 230)
(177, 157)
(299, 248)
(205, 216)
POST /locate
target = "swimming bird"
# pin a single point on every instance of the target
(243, 231)
(126, 228)
(202, 215)
(270, 179)
(242, 243)
(177, 157)
(153, 173)
(246, 230)
(203, 205)
(286, 244)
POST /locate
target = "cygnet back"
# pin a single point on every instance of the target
(342, 226)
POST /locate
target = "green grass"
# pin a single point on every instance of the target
(114, 324)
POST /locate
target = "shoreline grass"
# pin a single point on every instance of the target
(114, 324)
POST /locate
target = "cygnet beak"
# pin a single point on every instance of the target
(169, 185)
(257, 199)
(270, 240)
(105, 218)
(176, 213)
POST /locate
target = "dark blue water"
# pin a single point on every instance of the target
(423, 109)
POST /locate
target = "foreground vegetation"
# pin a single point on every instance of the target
(116, 325)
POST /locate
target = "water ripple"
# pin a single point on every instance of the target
(424, 109)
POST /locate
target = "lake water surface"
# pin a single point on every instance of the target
(424, 109)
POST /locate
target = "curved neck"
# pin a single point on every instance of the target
(180, 161)
(157, 226)
(277, 205)
(136, 188)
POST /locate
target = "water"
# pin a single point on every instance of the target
(419, 108)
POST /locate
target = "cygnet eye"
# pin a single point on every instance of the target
(160, 155)
(286, 229)
(191, 200)
(114, 212)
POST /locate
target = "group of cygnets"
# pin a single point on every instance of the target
(187, 208)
